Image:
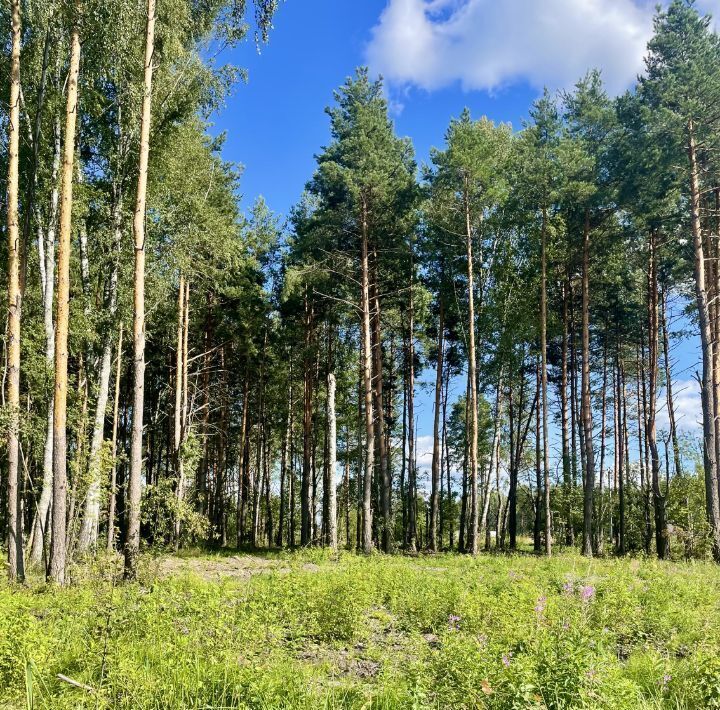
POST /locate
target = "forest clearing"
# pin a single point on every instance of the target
(311, 630)
(388, 378)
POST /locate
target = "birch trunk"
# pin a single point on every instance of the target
(132, 539)
(58, 546)
(473, 532)
(113, 470)
(332, 464)
(16, 570)
(89, 531)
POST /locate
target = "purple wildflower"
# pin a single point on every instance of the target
(540, 606)
(506, 659)
(568, 588)
(665, 680)
(587, 593)
(454, 622)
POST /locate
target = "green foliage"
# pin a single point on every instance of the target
(306, 631)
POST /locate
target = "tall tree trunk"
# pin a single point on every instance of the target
(706, 340)
(179, 413)
(367, 372)
(132, 538)
(494, 457)
(42, 519)
(332, 465)
(436, 462)
(603, 434)
(58, 549)
(473, 534)
(544, 387)
(113, 470)
(386, 528)
(537, 503)
(619, 403)
(589, 479)
(668, 383)
(661, 533)
(285, 458)
(16, 566)
(306, 483)
(91, 520)
(566, 460)
(242, 494)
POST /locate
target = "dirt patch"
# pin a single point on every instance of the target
(233, 567)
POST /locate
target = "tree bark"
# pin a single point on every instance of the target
(589, 478)
(332, 465)
(58, 549)
(91, 520)
(661, 533)
(473, 532)
(16, 567)
(367, 384)
(113, 470)
(544, 387)
(132, 538)
(42, 519)
(436, 462)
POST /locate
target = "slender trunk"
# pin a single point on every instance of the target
(346, 485)
(622, 421)
(668, 383)
(332, 464)
(42, 519)
(473, 534)
(113, 470)
(386, 531)
(494, 457)
(537, 526)
(242, 473)
(412, 537)
(285, 458)
(603, 434)
(586, 412)
(16, 567)
(436, 462)
(566, 461)
(58, 549)
(306, 483)
(367, 385)
(178, 412)
(661, 533)
(132, 539)
(544, 387)
(89, 531)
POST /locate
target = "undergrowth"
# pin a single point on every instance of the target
(309, 631)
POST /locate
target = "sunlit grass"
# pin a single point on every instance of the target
(307, 630)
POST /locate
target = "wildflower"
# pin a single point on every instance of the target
(590, 675)
(568, 588)
(454, 622)
(506, 659)
(540, 606)
(587, 593)
(665, 680)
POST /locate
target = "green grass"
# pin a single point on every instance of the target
(306, 631)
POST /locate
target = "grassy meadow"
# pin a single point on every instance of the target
(304, 630)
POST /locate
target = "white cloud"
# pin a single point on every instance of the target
(486, 44)
(687, 406)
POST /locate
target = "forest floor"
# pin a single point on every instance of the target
(306, 630)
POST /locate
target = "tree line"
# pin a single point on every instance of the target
(177, 372)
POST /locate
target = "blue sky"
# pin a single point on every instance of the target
(438, 56)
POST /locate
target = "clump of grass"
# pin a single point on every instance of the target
(311, 631)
